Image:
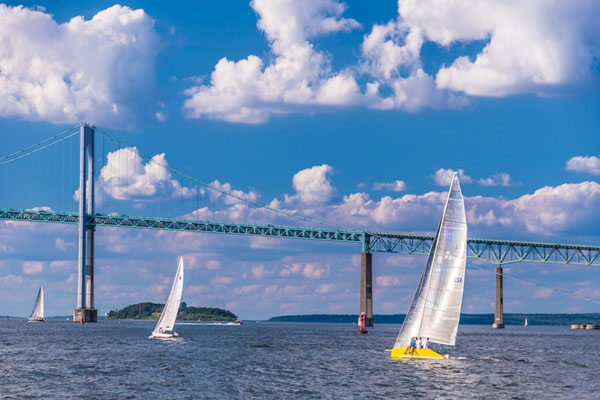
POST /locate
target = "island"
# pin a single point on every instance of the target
(153, 310)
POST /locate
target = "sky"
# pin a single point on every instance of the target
(349, 113)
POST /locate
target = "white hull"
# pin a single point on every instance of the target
(163, 335)
(36, 320)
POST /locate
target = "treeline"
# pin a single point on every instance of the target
(466, 319)
(153, 310)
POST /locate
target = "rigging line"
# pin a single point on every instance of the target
(226, 193)
(572, 294)
(38, 149)
(63, 132)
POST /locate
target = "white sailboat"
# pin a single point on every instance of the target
(525, 324)
(435, 310)
(37, 314)
(164, 326)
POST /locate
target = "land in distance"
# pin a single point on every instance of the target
(153, 310)
(467, 319)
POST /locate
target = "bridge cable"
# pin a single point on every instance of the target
(531, 283)
(44, 144)
(225, 192)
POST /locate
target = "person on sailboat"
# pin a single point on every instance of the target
(426, 343)
(419, 343)
(412, 345)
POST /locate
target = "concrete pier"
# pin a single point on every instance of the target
(366, 287)
(499, 309)
(85, 263)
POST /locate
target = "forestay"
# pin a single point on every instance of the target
(169, 313)
(435, 309)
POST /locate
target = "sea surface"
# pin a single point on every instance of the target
(116, 360)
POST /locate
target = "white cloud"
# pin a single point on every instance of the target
(443, 177)
(523, 52)
(312, 185)
(10, 280)
(33, 267)
(534, 47)
(125, 176)
(553, 209)
(314, 271)
(100, 70)
(396, 186)
(388, 280)
(588, 164)
(250, 92)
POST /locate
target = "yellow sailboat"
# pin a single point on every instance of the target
(435, 310)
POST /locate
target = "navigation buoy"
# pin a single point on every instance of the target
(362, 324)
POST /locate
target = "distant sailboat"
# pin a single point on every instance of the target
(37, 315)
(435, 309)
(166, 322)
(525, 324)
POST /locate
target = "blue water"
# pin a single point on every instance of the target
(116, 360)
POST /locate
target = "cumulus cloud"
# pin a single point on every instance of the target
(395, 186)
(312, 185)
(126, 176)
(100, 70)
(443, 177)
(299, 76)
(33, 267)
(587, 164)
(542, 48)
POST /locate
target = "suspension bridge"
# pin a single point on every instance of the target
(497, 252)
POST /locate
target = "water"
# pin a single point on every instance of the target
(115, 360)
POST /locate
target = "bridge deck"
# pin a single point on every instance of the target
(489, 250)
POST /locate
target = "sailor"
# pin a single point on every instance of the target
(420, 343)
(413, 343)
(426, 343)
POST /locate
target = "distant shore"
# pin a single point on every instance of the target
(465, 319)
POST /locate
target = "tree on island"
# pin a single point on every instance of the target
(153, 310)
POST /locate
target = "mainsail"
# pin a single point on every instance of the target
(37, 314)
(169, 314)
(435, 309)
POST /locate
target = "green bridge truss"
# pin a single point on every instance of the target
(498, 252)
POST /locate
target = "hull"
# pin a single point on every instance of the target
(163, 335)
(402, 353)
(36, 320)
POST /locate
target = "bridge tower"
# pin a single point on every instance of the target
(366, 281)
(85, 264)
(499, 309)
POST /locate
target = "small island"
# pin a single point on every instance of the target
(153, 310)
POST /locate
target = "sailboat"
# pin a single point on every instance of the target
(164, 326)
(435, 309)
(525, 324)
(37, 314)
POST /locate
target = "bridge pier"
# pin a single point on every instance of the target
(499, 309)
(366, 287)
(85, 310)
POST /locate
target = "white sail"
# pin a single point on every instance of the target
(168, 316)
(37, 314)
(435, 309)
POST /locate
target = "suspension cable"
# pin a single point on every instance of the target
(222, 191)
(531, 283)
(44, 144)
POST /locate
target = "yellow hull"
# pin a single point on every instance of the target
(419, 354)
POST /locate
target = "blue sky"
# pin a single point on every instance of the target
(346, 113)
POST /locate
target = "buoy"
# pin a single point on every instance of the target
(362, 324)
(82, 321)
